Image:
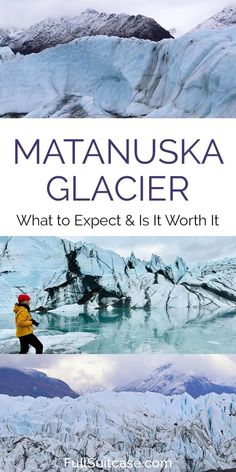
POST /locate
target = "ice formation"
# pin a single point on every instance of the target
(226, 17)
(60, 274)
(37, 434)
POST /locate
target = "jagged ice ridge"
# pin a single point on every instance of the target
(36, 434)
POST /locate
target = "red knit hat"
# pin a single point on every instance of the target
(23, 297)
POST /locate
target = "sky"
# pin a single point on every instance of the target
(181, 14)
(191, 249)
(85, 371)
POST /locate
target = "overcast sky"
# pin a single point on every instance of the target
(182, 14)
(191, 249)
(84, 371)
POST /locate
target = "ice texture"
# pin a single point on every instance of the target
(68, 278)
(6, 54)
(191, 76)
(67, 343)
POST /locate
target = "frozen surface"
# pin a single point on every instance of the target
(196, 435)
(4, 37)
(67, 343)
(6, 54)
(192, 76)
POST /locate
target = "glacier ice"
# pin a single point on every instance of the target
(6, 54)
(67, 278)
(191, 76)
(53, 31)
(36, 434)
(84, 290)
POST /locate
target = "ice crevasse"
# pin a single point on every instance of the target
(192, 76)
(196, 435)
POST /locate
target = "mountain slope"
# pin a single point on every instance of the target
(168, 381)
(195, 435)
(51, 32)
(32, 383)
(226, 17)
(192, 76)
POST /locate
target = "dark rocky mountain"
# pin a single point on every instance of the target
(51, 32)
(14, 382)
(4, 37)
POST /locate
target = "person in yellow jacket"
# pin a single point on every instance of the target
(24, 325)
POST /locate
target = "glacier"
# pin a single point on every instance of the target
(60, 274)
(53, 31)
(190, 77)
(91, 299)
(195, 435)
(53, 343)
(6, 54)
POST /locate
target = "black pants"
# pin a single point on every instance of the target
(30, 340)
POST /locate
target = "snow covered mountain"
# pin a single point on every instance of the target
(32, 383)
(101, 76)
(226, 17)
(194, 435)
(51, 32)
(69, 278)
(170, 381)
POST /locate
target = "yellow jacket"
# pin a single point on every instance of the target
(24, 324)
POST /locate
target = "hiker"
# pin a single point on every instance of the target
(24, 325)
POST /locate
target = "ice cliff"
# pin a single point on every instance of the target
(67, 277)
(195, 435)
(192, 76)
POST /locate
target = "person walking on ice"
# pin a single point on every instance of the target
(24, 326)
